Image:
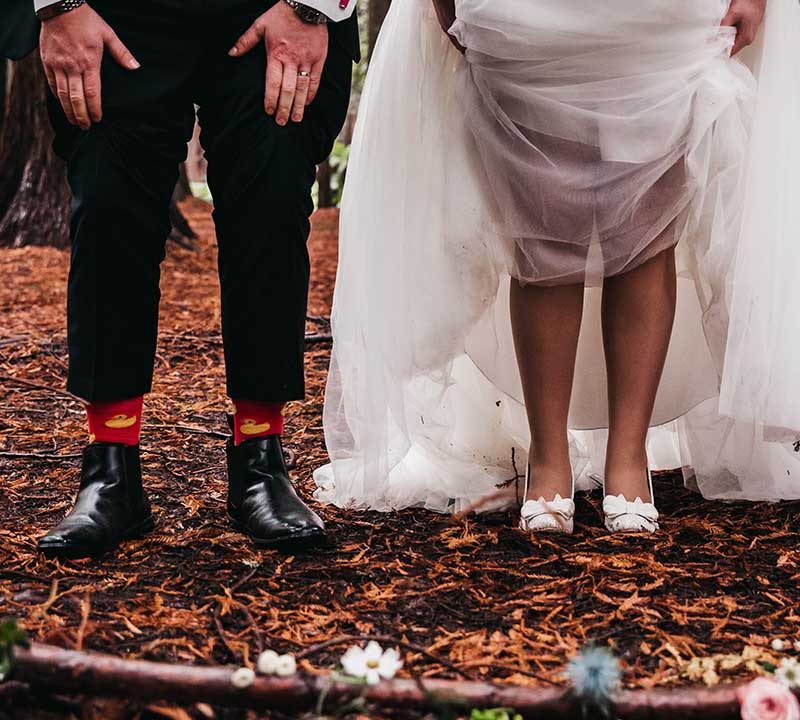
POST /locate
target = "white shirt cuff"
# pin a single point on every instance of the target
(332, 8)
(39, 4)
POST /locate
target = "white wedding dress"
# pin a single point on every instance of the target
(567, 145)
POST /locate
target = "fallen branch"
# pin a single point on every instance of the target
(52, 669)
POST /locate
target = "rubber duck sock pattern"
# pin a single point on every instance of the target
(117, 421)
(256, 419)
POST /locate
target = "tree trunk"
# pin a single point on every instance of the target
(377, 10)
(5, 69)
(181, 232)
(196, 165)
(34, 197)
(324, 192)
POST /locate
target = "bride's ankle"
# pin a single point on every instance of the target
(548, 479)
(629, 478)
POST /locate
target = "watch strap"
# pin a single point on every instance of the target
(58, 8)
(307, 14)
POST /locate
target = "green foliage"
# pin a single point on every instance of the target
(360, 69)
(201, 191)
(338, 162)
(11, 635)
(494, 714)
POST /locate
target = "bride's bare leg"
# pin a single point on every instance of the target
(638, 312)
(546, 323)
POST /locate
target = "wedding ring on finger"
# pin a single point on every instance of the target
(303, 74)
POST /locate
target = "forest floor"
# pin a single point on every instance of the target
(481, 599)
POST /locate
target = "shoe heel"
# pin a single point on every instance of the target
(540, 516)
(622, 516)
(141, 528)
(235, 524)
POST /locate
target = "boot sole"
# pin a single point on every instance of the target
(296, 542)
(72, 551)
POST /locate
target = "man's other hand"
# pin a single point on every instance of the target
(296, 53)
(72, 46)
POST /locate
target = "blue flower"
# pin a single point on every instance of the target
(595, 674)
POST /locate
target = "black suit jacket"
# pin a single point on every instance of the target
(346, 32)
(19, 28)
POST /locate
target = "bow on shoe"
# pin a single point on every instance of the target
(562, 509)
(617, 506)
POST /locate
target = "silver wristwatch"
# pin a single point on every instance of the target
(307, 14)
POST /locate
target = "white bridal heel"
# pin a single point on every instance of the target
(622, 516)
(551, 516)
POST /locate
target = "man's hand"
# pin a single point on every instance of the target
(746, 17)
(72, 46)
(296, 53)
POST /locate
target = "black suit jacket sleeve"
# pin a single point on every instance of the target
(19, 28)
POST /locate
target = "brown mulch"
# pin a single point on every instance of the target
(473, 598)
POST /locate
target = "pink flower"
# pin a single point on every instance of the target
(764, 699)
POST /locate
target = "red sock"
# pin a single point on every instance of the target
(117, 421)
(256, 419)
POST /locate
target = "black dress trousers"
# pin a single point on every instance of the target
(123, 170)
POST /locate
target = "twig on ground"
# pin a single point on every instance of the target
(39, 456)
(39, 386)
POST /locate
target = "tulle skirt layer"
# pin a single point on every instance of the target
(568, 145)
(597, 127)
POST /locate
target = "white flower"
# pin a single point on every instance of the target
(788, 672)
(267, 662)
(778, 645)
(242, 677)
(270, 663)
(286, 666)
(371, 663)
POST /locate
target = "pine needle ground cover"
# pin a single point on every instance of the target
(702, 602)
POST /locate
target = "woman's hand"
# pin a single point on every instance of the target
(746, 17)
(446, 12)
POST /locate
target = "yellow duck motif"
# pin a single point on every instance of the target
(120, 421)
(251, 427)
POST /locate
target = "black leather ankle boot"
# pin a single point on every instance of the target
(111, 505)
(262, 502)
